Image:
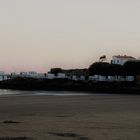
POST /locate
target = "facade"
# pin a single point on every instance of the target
(82, 78)
(23, 74)
(121, 59)
(40, 76)
(130, 78)
(3, 76)
(76, 74)
(61, 75)
(75, 78)
(50, 76)
(72, 74)
(78, 77)
(101, 78)
(32, 74)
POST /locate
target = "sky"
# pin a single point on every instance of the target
(41, 34)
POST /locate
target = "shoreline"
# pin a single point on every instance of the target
(68, 85)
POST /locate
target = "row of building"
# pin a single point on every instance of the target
(116, 70)
(81, 74)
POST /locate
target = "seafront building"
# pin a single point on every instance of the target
(116, 71)
(31, 74)
(71, 74)
(101, 72)
(122, 59)
(4, 76)
(102, 78)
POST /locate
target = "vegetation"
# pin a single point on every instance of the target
(56, 71)
(103, 68)
(132, 67)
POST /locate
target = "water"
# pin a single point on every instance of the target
(39, 93)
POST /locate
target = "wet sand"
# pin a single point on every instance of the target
(91, 117)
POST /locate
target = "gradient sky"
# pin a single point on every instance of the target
(40, 34)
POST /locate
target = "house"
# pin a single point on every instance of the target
(130, 78)
(3, 76)
(118, 59)
(61, 75)
(102, 78)
(71, 74)
(50, 76)
(32, 74)
(76, 74)
(97, 78)
(40, 76)
(78, 78)
(23, 74)
(105, 72)
(82, 77)
(56, 76)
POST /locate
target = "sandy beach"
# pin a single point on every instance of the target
(85, 117)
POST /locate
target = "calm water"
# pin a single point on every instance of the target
(39, 93)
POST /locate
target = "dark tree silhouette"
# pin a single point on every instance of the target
(103, 68)
(56, 70)
(132, 67)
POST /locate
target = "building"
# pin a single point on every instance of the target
(105, 72)
(102, 78)
(50, 76)
(121, 59)
(23, 74)
(71, 74)
(61, 75)
(32, 74)
(3, 76)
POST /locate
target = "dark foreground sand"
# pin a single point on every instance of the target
(92, 117)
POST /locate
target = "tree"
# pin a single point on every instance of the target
(56, 70)
(106, 69)
(97, 68)
(132, 67)
(102, 58)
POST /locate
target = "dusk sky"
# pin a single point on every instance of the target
(40, 34)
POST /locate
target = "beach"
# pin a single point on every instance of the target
(75, 117)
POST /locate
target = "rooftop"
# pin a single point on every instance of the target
(124, 57)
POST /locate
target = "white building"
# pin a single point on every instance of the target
(101, 78)
(40, 76)
(32, 74)
(61, 75)
(82, 78)
(78, 77)
(98, 78)
(130, 78)
(74, 77)
(23, 74)
(121, 59)
(50, 76)
(3, 76)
